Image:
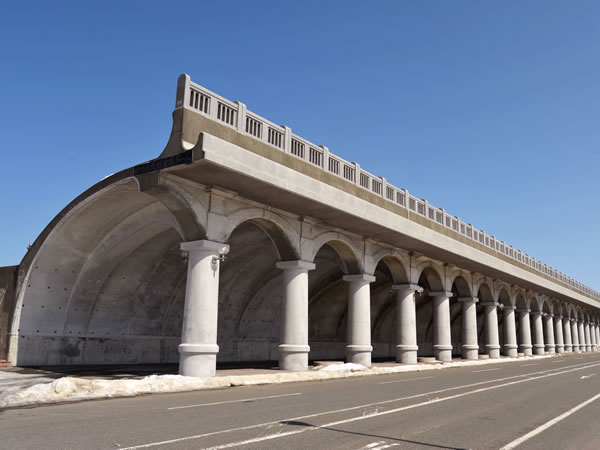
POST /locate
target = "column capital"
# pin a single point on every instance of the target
(510, 307)
(536, 314)
(489, 303)
(359, 277)
(527, 310)
(558, 317)
(295, 265)
(440, 294)
(407, 287)
(468, 299)
(218, 248)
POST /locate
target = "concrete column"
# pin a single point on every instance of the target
(293, 330)
(359, 347)
(567, 330)
(538, 334)
(588, 337)
(581, 334)
(406, 328)
(575, 336)
(593, 337)
(198, 349)
(558, 334)
(442, 342)
(525, 332)
(510, 332)
(549, 336)
(469, 347)
(492, 341)
(597, 334)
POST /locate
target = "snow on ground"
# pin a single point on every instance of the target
(75, 389)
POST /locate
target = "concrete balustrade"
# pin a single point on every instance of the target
(442, 344)
(293, 345)
(198, 349)
(469, 346)
(359, 347)
(406, 332)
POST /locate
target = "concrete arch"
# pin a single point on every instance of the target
(460, 286)
(280, 232)
(456, 273)
(485, 292)
(92, 293)
(350, 253)
(396, 263)
(432, 273)
(521, 300)
(431, 277)
(504, 296)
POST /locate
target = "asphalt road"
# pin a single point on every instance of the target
(550, 403)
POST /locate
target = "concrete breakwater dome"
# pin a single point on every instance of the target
(245, 242)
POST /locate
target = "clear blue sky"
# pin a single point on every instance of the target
(488, 109)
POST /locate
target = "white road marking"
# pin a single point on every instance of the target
(588, 376)
(560, 361)
(386, 446)
(548, 424)
(408, 379)
(528, 365)
(279, 422)
(383, 413)
(483, 370)
(577, 358)
(374, 444)
(234, 401)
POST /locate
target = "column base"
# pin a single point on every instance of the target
(359, 354)
(493, 351)
(550, 349)
(469, 351)
(293, 357)
(526, 349)
(442, 352)
(406, 354)
(588, 348)
(568, 348)
(510, 350)
(539, 349)
(560, 349)
(594, 348)
(198, 360)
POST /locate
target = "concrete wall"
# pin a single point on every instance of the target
(8, 282)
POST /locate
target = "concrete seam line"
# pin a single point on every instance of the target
(383, 413)
(234, 401)
(277, 422)
(548, 424)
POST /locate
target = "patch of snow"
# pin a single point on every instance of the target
(73, 389)
(342, 367)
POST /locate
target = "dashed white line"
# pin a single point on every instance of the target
(234, 401)
(483, 370)
(408, 379)
(548, 424)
